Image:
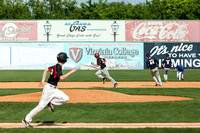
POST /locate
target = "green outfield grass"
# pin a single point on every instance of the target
(179, 111)
(89, 75)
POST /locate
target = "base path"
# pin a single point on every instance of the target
(100, 85)
(102, 125)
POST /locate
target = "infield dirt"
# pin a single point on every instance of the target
(100, 85)
(98, 96)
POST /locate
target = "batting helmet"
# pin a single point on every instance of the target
(96, 55)
(62, 57)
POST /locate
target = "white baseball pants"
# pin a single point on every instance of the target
(106, 73)
(155, 75)
(50, 94)
(165, 71)
(179, 74)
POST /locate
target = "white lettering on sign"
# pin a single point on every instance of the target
(186, 62)
(12, 30)
(161, 31)
(159, 50)
(182, 47)
(156, 50)
(187, 55)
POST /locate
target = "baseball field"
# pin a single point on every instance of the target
(136, 105)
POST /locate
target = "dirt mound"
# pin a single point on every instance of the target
(93, 96)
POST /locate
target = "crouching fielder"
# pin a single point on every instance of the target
(51, 95)
(180, 72)
(152, 64)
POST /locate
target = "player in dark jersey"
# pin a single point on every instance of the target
(180, 72)
(101, 63)
(152, 64)
(51, 94)
(166, 65)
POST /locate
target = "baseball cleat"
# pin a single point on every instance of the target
(115, 85)
(156, 85)
(26, 123)
(104, 80)
(50, 106)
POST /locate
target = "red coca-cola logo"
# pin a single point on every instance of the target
(169, 31)
(160, 31)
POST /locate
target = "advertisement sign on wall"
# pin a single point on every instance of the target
(28, 55)
(163, 31)
(186, 54)
(117, 55)
(15, 31)
(42, 55)
(99, 31)
(81, 30)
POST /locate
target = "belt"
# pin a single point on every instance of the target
(53, 86)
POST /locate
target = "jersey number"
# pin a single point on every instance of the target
(152, 62)
(167, 62)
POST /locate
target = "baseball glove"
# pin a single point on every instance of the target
(182, 79)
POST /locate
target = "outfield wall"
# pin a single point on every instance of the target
(42, 55)
(23, 44)
(100, 31)
(126, 55)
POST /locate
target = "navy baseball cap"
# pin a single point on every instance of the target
(148, 55)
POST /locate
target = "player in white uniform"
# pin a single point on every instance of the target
(104, 70)
(51, 94)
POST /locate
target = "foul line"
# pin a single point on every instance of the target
(102, 125)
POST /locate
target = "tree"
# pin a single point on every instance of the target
(103, 9)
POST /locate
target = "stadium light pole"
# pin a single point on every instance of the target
(115, 28)
(47, 28)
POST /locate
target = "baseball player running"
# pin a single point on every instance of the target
(166, 65)
(180, 72)
(101, 62)
(152, 64)
(51, 94)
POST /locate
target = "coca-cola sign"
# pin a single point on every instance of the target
(162, 31)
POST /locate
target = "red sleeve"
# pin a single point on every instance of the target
(50, 69)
